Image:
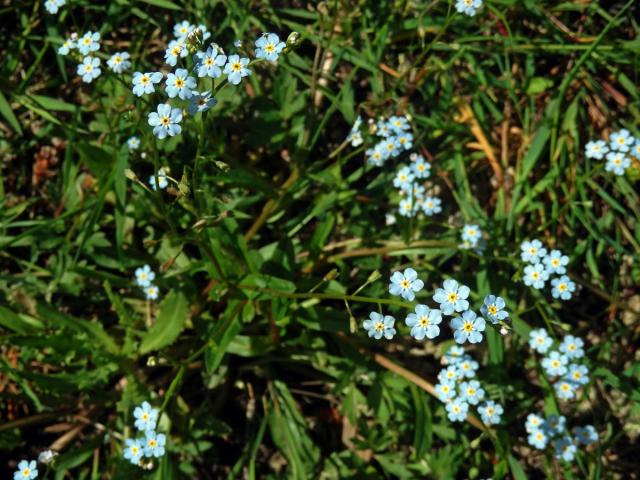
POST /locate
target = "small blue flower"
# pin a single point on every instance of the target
(563, 288)
(621, 141)
(143, 82)
(236, 69)
(355, 136)
(586, 435)
(471, 234)
(405, 284)
(471, 392)
(68, 45)
(133, 143)
(565, 449)
(556, 262)
(398, 124)
(53, 6)
(144, 276)
(490, 412)
(182, 29)
(162, 182)
(383, 129)
(89, 69)
(538, 439)
(578, 374)
(572, 347)
(449, 374)
(165, 121)
(454, 355)
(446, 390)
(90, 42)
(209, 63)
(375, 156)
(554, 425)
(534, 423)
(27, 470)
(119, 62)
(407, 207)
(405, 140)
(532, 251)
(151, 292)
(555, 364)
(431, 206)
(391, 147)
(452, 297)
(424, 323)
(617, 162)
(468, 7)
(378, 326)
(492, 309)
(565, 390)
(468, 327)
(269, 47)
(404, 178)
(154, 444)
(457, 410)
(467, 367)
(133, 451)
(201, 102)
(176, 49)
(146, 417)
(597, 149)
(180, 84)
(535, 276)
(539, 340)
(419, 166)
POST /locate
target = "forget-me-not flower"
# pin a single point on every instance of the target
(405, 140)
(151, 292)
(578, 374)
(404, 178)
(27, 470)
(424, 322)
(453, 355)
(538, 439)
(68, 45)
(535, 276)
(378, 326)
(452, 297)
(355, 136)
(534, 422)
(471, 392)
(375, 156)
(565, 449)
(468, 7)
(468, 327)
(493, 309)
(154, 444)
(449, 374)
(532, 251)
(269, 47)
(445, 390)
(209, 63)
(540, 340)
(596, 149)
(407, 207)
(144, 276)
(490, 412)
(555, 425)
(182, 29)
(201, 102)
(617, 162)
(572, 347)
(563, 288)
(236, 69)
(146, 417)
(90, 42)
(133, 143)
(119, 62)
(556, 262)
(471, 234)
(621, 141)
(555, 364)
(457, 410)
(143, 82)
(586, 435)
(405, 284)
(398, 124)
(165, 121)
(89, 69)
(565, 390)
(420, 167)
(133, 450)
(180, 84)
(467, 367)
(176, 49)
(431, 205)
(53, 6)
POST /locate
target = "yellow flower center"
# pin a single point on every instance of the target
(471, 232)
(26, 472)
(492, 309)
(209, 61)
(87, 41)
(145, 80)
(379, 326)
(562, 287)
(535, 275)
(565, 387)
(145, 416)
(179, 83)
(468, 327)
(88, 68)
(236, 67)
(134, 450)
(424, 321)
(533, 250)
(471, 391)
(152, 443)
(621, 140)
(490, 410)
(402, 140)
(555, 363)
(456, 409)
(430, 204)
(402, 177)
(270, 48)
(117, 59)
(445, 388)
(175, 51)
(405, 284)
(164, 121)
(571, 347)
(577, 375)
(420, 167)
(452, 297)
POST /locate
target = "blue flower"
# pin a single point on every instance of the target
(151, 292)
(391, 147)
(165, 121)
(407, 207)
(146, 417)
(586, 435)
(539, 340)
(201, 102)
(446, 390)
(133, 451)
(68, 45)
(176, 49)
(492, 309)
(431, 206)
(375, 156)
(468, 7)
(454, 355)
(154, 444)
(209, 63)
(378, 326)
(556, 262)
(468, 327)
(143, 82)
(554, 425)
(90, 42)
(471, 392)
(405, 140)
(452, 298)
(565, 390)
(490, 412)
(597, 149)
(578, 374)
(52, 6)
(572, 347)
(236, 69)
(565, 449)
(449, 374)
(162, 182)
(180, 84)
(534, 423)
(133, 143)
(144, 276)
(621, 141)
(182, 29)
(635, 151)
(617, 162)
(471, 234)
(424, 322)
(119, 62)
(538, 439)
(457, 410)
(89, 69)
(419, 166)
(404, 178)
(269, 47)
(535, 276)
(405, 284)
(467, 367)
(26, 470)
(398, 124)
(532, 251)
(383, 129)
(355, 136)
(555, 364)
(563, 288)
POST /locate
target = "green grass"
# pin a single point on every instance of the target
(271, 246)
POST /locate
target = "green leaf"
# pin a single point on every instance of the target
(174, 312)
(5, 110)
(163, 4)
(22, 324)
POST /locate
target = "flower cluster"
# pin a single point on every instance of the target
(620, 149)
(542, 432)
(394, 138)
(468, 7)
(52, 7)
(152, 445)
(414, 198)
(27, 470)
(542, 266)
(458, 389)
(145, 277)
(562, 364)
